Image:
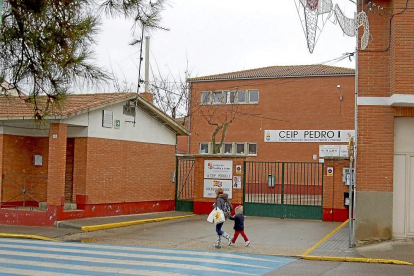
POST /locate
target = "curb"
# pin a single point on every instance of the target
(355, 260)
(23, 236)
(128, 223)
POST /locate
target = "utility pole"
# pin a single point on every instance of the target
(147, 45)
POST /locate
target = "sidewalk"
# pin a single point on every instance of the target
(314, 240)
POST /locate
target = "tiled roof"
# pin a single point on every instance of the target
(17, 107)
(13, 107)
(280, 72)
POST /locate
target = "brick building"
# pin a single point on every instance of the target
(99, 155)
(385, 182)
(280, 114)
(289, 98)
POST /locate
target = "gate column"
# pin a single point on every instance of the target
(56, 164)
(333, 191)
(1, 162)
(204, 205)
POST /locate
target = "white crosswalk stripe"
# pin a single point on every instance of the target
(31, 257)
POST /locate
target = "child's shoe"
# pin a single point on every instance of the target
(230, 243)
(247, 243)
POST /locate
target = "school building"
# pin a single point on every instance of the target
(99, 155)
(288, 125)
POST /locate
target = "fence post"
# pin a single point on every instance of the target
(282, 196)
(176, 180)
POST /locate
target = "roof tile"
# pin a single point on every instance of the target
(17, 107)
(280, 72)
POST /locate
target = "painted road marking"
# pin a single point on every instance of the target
(43, 257)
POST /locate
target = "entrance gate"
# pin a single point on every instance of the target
(184, 192)
(283, 189)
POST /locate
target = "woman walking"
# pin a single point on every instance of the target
(223, 204)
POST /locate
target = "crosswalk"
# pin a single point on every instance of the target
(33, 257)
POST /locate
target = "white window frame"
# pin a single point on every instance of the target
(208, 148)
(232, 148)
(248, 149)
(228, 97)
(244, 147)
(253, 102)
(221, 97)
(209, 98)
(245, 96)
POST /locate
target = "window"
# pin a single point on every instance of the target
(231, 97)
(217, 97)
(228, 148)
(252, 149)
(241, 96)
(240, 148)
(253, 96)
(218, 149)
(203, 147)
(205, 98)
(107, 118)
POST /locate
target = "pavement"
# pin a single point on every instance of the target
(307, 239)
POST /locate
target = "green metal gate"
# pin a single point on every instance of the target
(283, 189)
(184, 192)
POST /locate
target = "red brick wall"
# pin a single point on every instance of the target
(18, 162)
(56, 164)
(374, 66)
(123, 171)
(203, 205)
(79, 167)
(290, 103)
(1, 158)
(402, 54)
(375, 148)
(333, 192)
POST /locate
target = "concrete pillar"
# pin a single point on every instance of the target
(56, 165)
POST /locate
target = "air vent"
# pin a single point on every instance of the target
(129, 110)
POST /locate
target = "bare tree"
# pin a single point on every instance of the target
(170, 93)
(219, 115)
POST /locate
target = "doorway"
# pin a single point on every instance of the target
(403, 178)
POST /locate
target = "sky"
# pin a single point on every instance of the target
(221, 36)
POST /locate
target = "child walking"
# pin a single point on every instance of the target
(239, 226)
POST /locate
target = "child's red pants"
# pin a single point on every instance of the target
(236, 234)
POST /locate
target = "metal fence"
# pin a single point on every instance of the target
(23, 190)
(185, 184)
(284, 189)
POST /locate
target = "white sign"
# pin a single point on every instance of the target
(211, 185)
(333, 151)
(219, 169)
(308, 135)
(237, 182)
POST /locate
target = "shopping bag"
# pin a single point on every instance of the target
(218, 216)
(210, 217)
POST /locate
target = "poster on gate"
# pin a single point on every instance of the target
(211, 185)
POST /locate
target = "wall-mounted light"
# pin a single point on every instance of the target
(341, 96)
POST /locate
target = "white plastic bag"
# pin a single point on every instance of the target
(210, 217)
(218, 216)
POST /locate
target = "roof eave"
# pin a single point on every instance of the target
(272, 77)
(162, 117)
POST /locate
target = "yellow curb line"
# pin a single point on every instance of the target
(128, 223)
(23, 236)
(324, 239)
(358, 260)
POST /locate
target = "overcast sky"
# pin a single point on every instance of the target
(220, 36)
